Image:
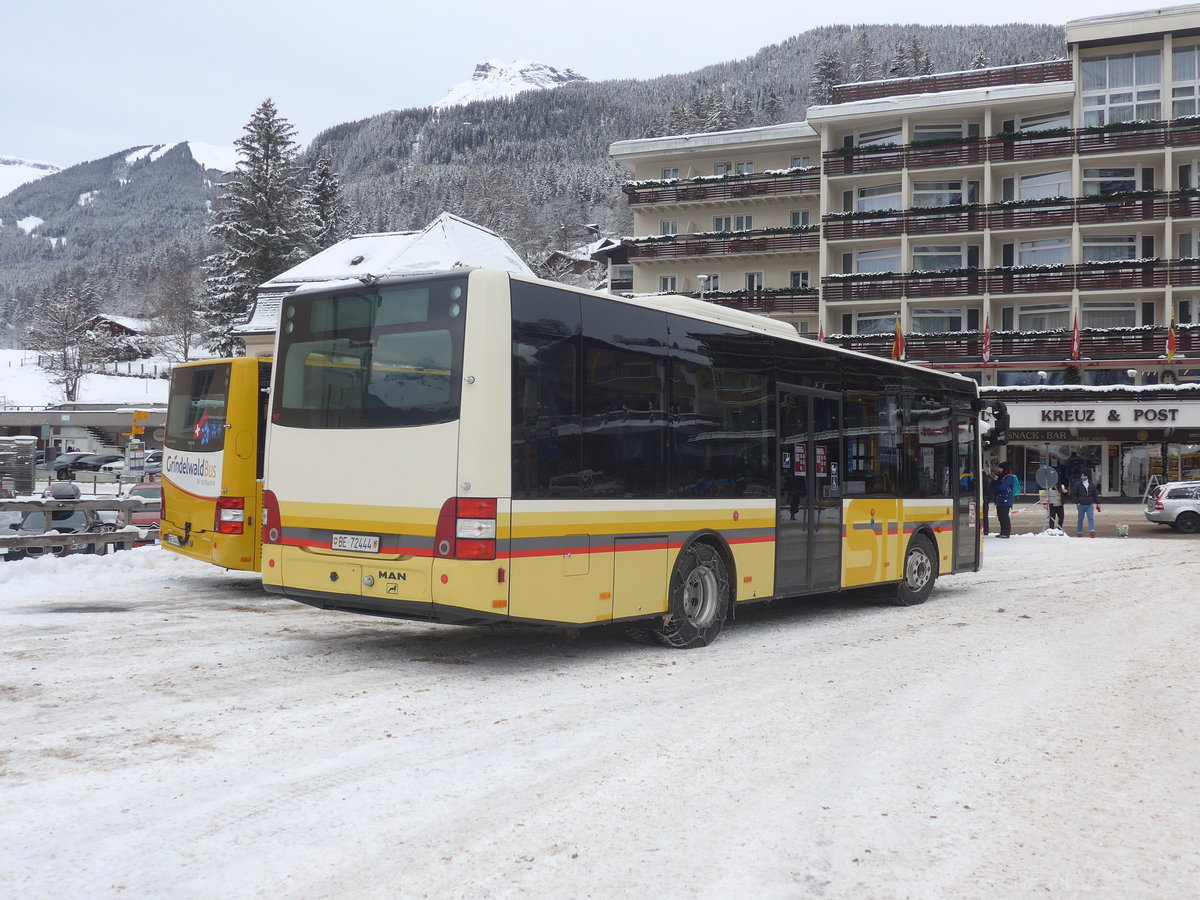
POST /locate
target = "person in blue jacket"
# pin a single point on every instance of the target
(1005, 486)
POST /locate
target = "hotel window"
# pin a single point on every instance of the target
(954, 132)
(1050, 252)
(799, 218)
(669, 174)
(884, 196)
(1102, 182)
(1044, 318)
(622, 272)
(799, 279)
(1185, 81)
(1187, 176)
(708, 283)
(938, 257)
(944, 193)
(754, 281)
(878, 138)
(1110, 315)
(723, 169)
(743, 223)
(1189, 244)
(929, 321)
(1121, 88)
(1044, 186)
(722, 223)
(876, 322)
(744, 168)
(1187, 311)
(1043, 122)
(666, 284)
(1109, 247)
(886, 259)
(668, 226)
(801, 162)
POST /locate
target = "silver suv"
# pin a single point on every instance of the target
(1176, 503)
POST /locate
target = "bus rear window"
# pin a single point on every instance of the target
(197, 410)
(382, 358)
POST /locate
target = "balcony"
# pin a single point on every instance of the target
(724, 187)
(1115, 276)
(771, 301)
(1048, 144)
(783, 240)
(1096, 344)
(1029, 73)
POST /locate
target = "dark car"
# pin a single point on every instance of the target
(63, 463)
(93, 462)
(67, 522)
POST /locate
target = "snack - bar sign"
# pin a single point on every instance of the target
(1121, 414)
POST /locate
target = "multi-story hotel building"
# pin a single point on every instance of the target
(1035, 227)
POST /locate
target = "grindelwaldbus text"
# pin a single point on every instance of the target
(478, 447)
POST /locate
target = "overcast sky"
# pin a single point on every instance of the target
(88, 79)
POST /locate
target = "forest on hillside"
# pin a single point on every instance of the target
(533, 168)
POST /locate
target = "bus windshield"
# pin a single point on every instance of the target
(196, 412)
(376, 358)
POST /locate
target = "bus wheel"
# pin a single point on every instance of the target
(920, 572)
(699, 599)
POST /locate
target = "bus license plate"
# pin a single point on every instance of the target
(359, 543)
(175, 540)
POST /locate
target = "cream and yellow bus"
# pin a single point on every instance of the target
(478, 447)
(213, 461)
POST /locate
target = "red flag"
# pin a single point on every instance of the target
(1171, 338)
(898, 343)
(986, 350)
(1075, 338)
(821, 333)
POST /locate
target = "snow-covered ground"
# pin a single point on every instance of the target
(171, 731)
(24, 384)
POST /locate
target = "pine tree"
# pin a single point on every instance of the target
(260, 226)
(59, 328)
(980, 61)
(826, 73)
(863, 65)
(328, 213)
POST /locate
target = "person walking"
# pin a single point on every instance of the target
(1005, 488)
(1058, 492)
(1086, 495)
(989, 496)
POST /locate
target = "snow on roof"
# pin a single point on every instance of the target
(1047, 90)
(129, 322)
(448, 242)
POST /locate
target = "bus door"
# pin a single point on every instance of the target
(808, 537)
(967, 496)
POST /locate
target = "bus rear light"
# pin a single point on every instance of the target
(231, 515)
(272, 531)
(466, 529)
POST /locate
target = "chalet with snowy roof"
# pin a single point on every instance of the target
(445, 243)
(123, 337)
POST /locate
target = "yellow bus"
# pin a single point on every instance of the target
(477, 447)
(213, 461)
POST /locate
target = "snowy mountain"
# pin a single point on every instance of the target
(496, 80)
(208, 156)
(16, 172)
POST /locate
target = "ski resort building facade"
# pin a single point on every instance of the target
(1035, 227)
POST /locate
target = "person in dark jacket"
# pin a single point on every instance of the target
(1005, 488)
(1085, 493)
(989, 496)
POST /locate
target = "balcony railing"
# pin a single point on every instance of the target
(797, 300)
(729, 187)
(1030, 346)
(1029, 73)
(1131, 275)
(738, 243)
(1016, 147)
(1084, 210)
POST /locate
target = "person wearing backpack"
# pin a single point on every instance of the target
(1006, 485)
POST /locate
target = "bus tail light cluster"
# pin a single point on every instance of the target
(231, 515)
(272, 530)
(466, 529)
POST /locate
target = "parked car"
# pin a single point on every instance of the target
(151, 465)
(1176, 503)
(148, 515)
(63, 463)
(67, 522)
(92, 462)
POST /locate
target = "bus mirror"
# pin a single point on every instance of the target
(995, 412)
